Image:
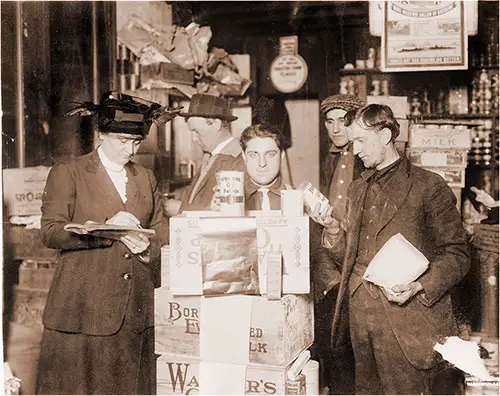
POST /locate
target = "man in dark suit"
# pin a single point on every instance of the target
(393, 333)
(263, 151)
(209, 120)
(262, 147)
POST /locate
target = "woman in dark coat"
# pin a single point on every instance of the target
(98, 334)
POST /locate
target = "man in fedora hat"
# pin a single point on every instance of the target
(209, 119)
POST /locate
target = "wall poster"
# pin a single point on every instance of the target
(424, 35)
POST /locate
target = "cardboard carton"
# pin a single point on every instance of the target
(429, 136)
(23, 189)
(439, 158)
(289, 235)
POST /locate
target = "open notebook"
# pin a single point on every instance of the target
(110, 231)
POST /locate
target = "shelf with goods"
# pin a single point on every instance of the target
(460, 98)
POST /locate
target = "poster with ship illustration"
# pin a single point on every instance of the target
(424, 35)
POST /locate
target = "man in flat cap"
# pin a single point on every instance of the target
(339, 168)
(209, 119)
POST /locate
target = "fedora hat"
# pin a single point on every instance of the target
(209, 106)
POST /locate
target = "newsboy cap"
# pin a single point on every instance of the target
(126, 114)
(209, 106)
(341, 101)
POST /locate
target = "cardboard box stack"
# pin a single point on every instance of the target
(236, 344)
(442, 148)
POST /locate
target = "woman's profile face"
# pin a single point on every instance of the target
(120, 147)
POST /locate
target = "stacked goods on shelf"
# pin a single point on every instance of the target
(215, 342)
(482, 137)
(442, 148)
(22, 193)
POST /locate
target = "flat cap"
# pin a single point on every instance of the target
(341, 101)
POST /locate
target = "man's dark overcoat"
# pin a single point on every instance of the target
(418, 204)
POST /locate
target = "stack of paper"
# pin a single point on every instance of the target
(465, 356)
(398, 262)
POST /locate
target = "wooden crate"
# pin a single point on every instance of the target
(279, 330)
(27, 306)
(485, 255)
(180, 375)
(25, 244)
(36, 274)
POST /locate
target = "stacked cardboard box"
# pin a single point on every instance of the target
(442, 148)
(235, 344)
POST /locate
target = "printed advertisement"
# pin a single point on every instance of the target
(424, 35)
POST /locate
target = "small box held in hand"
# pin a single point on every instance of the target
(313, 198)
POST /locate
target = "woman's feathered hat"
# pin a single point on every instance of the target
(121, 113)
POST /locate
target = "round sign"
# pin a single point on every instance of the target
(288, 73)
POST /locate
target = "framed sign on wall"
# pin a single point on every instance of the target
(424, 36)
(288, 71)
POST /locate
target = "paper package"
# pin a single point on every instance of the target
(229, 256)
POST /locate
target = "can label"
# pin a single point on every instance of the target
(232, 192)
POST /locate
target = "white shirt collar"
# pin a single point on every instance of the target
(107, 163)
(269, 186)
(221, 146)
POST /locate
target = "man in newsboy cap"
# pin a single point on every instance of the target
(209, 119)
(338, 169)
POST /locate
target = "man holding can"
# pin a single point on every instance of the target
(262, 146)
(209, 119)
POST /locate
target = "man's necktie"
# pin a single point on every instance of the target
(266, 204)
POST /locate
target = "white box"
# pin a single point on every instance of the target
(23, 190)
(165, 267)
(279, 329)
(289, 235)
(440, 136)
(455, 177)
(439, 158)
(179, 375)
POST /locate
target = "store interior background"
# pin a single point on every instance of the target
(47, 63)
